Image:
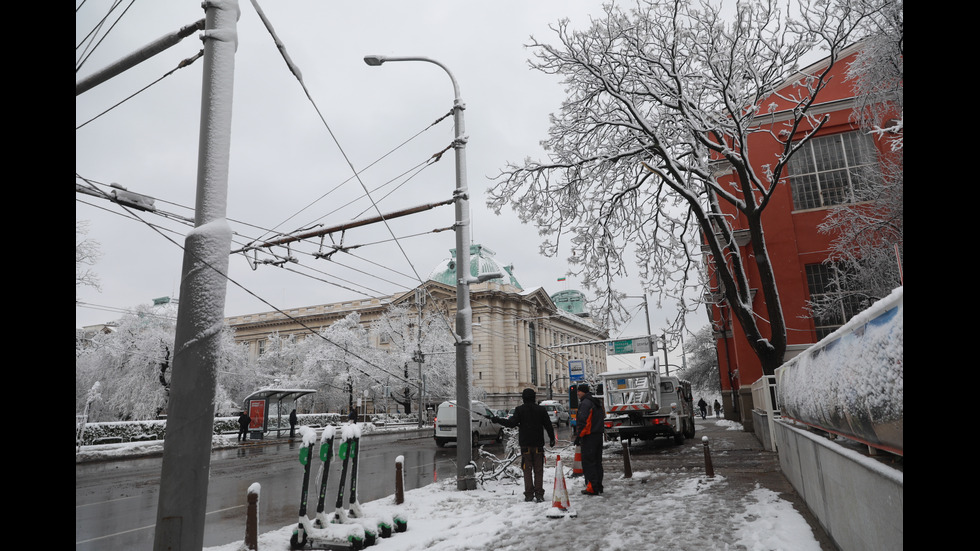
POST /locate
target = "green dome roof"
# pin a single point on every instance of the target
(482, 261)
(570, 301)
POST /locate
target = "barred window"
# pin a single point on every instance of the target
(828, 168)
(824, 287)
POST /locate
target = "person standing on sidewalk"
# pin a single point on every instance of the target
(717, 409)
(243, 421)
(292, 423)
(530, 419)
(589, 424)
(703, 406)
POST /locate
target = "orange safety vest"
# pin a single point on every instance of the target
(587, 427)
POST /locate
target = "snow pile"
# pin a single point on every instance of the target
(852, 380)
(707, 512)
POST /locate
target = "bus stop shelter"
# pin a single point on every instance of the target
(259, 406)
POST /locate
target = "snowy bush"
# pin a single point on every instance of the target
(135, 431)
(123, 431)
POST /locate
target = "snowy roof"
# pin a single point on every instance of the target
(278, 394)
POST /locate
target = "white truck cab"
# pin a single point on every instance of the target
(480, 424)
(643, 404)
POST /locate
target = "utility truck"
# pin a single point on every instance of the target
(643, 404)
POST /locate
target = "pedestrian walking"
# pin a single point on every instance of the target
(292, 423)
(717, 409)
(589, 423)
(243, 422)
(703, 406)
(352, 416)
(531, 419)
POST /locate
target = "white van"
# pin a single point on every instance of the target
(557, 412)
(480, 424)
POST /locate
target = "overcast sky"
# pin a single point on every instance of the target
(286, 170)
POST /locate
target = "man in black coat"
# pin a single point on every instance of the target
(589, 423)
(293, 420)
(530, 419)
(243, 421)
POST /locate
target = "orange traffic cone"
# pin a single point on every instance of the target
(560, 506)
(577, 464)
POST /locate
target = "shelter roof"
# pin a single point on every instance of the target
(278, 394)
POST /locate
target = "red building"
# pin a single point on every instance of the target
(819, 176)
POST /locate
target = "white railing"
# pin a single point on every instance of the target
(764, 401)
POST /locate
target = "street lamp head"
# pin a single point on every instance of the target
(374, 60)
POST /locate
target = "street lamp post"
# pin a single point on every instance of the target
(464, 321)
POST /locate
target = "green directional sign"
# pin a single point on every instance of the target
(623, 347)
(628, 346)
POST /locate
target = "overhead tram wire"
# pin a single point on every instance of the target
(296, 73)
(312, 331)
(322, 280)
(185, 63)
(423, 164)
(93, 32)
(368, 292)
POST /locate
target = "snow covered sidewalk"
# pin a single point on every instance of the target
(658, 508)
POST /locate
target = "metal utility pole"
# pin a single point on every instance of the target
(464, 314)
(419, 357)
(182, 503)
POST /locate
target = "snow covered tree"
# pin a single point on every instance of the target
(282, 360)
(133, 365)
(657, 97)
(87, 253)
(339, 363)
(407, 334)
(702, 361)
(866, 256)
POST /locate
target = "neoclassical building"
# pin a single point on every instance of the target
(521, 338)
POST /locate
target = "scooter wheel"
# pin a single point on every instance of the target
(295, 542)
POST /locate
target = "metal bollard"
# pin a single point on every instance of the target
(399, 483)
(469, 477)
(708, 469)
(627, 465)
(252, 519)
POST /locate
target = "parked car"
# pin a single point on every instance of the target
(480, 424)
(557, 412)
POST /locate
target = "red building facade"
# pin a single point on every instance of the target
(819, 177)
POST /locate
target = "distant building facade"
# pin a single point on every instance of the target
(521, 339)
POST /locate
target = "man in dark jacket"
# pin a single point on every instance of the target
(530, 419)
(293, 420)
(589, 424)
(243, 421)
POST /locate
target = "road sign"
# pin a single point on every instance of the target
(628, 346)
(576, 370)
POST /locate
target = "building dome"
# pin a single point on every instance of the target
(482, 261)
(570, 301)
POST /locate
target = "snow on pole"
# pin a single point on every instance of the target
(252, 518)
(399, 480)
